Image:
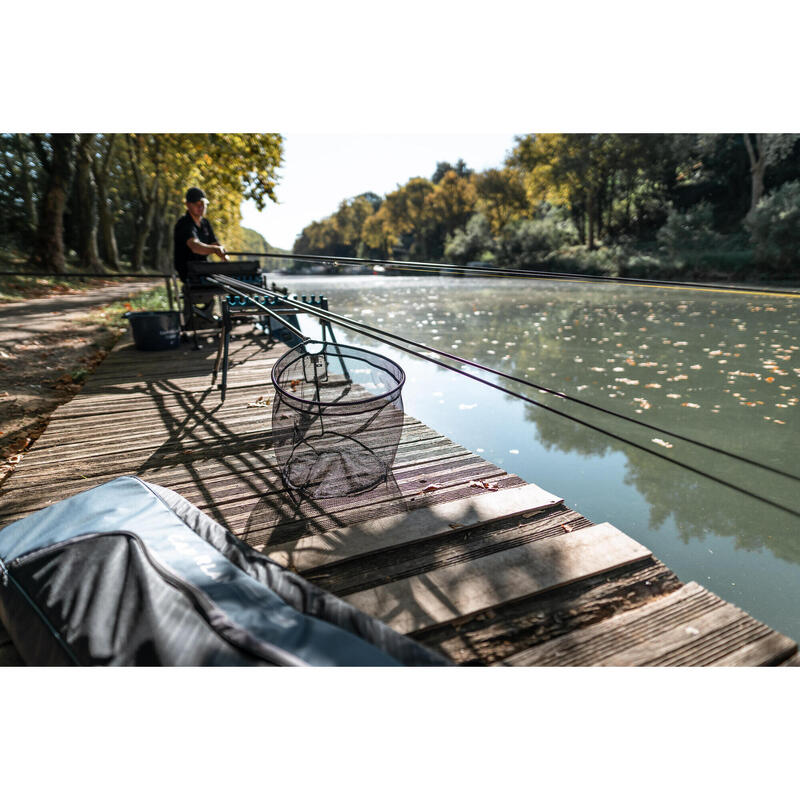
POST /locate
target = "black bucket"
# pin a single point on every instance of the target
(155, 330)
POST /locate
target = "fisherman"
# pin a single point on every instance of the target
(193, 235)
(195, 240)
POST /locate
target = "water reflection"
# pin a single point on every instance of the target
(722, 368)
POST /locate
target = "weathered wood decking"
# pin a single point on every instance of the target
(486, 577)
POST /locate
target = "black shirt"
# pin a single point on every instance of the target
(186, 228)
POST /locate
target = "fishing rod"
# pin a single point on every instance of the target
(562, 395)
(456, 269)
(332, 318)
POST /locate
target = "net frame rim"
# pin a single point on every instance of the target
(397, 390)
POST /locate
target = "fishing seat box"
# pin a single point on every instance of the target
(130, 573)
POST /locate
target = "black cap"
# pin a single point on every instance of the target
(194, 194)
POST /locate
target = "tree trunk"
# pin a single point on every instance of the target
(142, 234)
(26, 185)
(577, 219)
(147, 197)
(758, 166)
(109, 238)
(86, 199)
(160, 235)
(48, 248)
(590, 212)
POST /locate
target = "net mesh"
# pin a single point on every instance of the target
(336, 418)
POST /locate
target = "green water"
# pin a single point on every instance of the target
(719, 367)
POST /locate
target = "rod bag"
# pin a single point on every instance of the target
(130, 573)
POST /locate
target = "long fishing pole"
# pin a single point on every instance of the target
(562, 395)
(331, 318)
(424, 266)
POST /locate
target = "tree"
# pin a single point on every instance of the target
(86, 197)
(451, 203)
(378, 233)
(145, 158)
(406, 213)
(56, 152)
(764, 149)
(600, 178)
(443, 167)
(470, 243)
(501, 196)
(566, 168)
(101, 166)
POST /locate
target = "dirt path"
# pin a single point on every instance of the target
(31, 318)
(48, 346)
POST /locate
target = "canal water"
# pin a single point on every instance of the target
(722, 368)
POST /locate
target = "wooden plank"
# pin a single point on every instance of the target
(388, 565)
(490, 637)
(462, 589)
(374, 535)
(772, 649)
(689, 627)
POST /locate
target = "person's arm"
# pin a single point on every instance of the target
(200, 249)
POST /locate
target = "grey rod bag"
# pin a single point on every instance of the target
(130, 573)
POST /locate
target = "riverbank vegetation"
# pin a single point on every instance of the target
(104, 203)
(674, 206)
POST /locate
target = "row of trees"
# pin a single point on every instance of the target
(559, 195)
(112, 199)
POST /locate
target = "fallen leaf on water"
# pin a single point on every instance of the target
(14, 459)
(661, 442)
(454, 525)
(261, 402)
(431, 487)
(567, 528)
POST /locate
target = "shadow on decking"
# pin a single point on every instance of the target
(229, 472)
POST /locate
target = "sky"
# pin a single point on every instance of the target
(321, 170)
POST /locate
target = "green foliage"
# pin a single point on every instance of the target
(654, 204)
(774, 227)
(443, 167)
(501, 196)
(470, 243)
(133, 184)
(526, 243)
(253, 241)
(689, 231)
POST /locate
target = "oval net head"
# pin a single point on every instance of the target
(337, 418)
